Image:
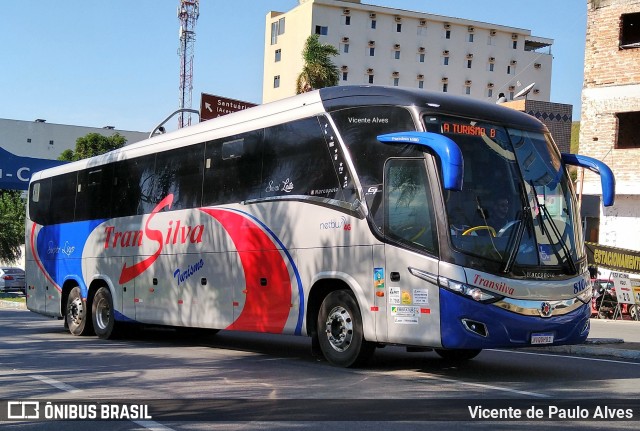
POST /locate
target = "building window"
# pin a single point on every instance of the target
(276, 81)
(445, 87)
(490, 92)
(445, 61)
(396, 82)
(28, 140)
(345, 75)
(373, 24)
(277, 28)
(628, 130)
(370, 79)
(447, 34)
(469, 64)
(422, 30)
(491, 67)
(396, 55)
(508, 70)
(278, 55)
(491, 41)
(372, 52)
(470, 37)
(420, 58)
(511, 94)
(345, 48)
(347, 20)
(630, 30)
(515, 44)
(322, 30)
(467, 90)
(50, 142)
(420, 84)
(399, 28)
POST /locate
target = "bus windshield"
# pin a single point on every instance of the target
(515, 206)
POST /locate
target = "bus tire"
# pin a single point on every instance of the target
(102, 313)
(77, 315)
(340, 333)
(458, 355)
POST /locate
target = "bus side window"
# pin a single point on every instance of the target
(39, 201)
(233, 167)
(409, 214)
(180, 172)
(296, 161)
(133, 179)
(63, 198)
(93, 200)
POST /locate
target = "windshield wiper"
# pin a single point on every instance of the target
(572, 265)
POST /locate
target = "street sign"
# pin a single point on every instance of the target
(212, 106)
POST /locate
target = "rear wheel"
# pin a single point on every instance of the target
(458, 354)
(77, 316)
(102, 312)
(340, 333)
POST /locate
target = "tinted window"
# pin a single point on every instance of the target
(233, 168)
(134, 181)
(179, 172)
(94, 193)
(296, 161)
(359, 128)
(63, 198)
(39, 196)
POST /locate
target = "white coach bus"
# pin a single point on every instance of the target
(358, 216)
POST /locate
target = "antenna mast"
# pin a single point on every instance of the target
(188, 13)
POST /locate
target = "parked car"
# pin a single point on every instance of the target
(12, 279)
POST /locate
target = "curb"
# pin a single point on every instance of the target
(13, 305)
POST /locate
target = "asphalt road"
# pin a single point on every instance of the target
(249, 381)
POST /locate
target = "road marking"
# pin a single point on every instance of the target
(566, 356)
(484, 386)
(55, 383)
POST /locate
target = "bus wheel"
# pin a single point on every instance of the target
(458, 354)
(77, 314)
(340, 331)
(104, 322)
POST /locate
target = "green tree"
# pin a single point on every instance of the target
(91, 145)
(318, 70)
(12, 214)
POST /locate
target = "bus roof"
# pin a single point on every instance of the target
(305, 105)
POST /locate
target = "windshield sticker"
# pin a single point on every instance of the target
(545, 251)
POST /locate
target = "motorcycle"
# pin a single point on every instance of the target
(605, 302)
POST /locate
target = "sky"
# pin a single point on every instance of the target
(114, 63)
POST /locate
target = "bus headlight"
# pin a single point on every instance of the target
(472, 292)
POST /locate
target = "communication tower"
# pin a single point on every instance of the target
(188, 13)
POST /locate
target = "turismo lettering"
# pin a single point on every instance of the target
(182, 276)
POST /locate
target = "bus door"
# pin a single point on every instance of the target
(411, 265)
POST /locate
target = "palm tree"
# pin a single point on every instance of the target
(318, 70)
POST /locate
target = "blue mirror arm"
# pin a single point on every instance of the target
(607, 180)
(445, 148)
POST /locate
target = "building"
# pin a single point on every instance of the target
(556, 116)
(384, 46)
(44, 140)
(611, 114)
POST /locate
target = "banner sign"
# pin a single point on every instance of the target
(617, 259)
(16, 171)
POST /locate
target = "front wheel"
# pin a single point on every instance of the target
(458, 355)
(340, 333)
(104, 322)
(77, 318)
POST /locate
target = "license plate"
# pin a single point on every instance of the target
(546, 338)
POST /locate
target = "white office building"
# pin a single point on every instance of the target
(384, 46)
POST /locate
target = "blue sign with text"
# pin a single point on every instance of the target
(16, 171)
